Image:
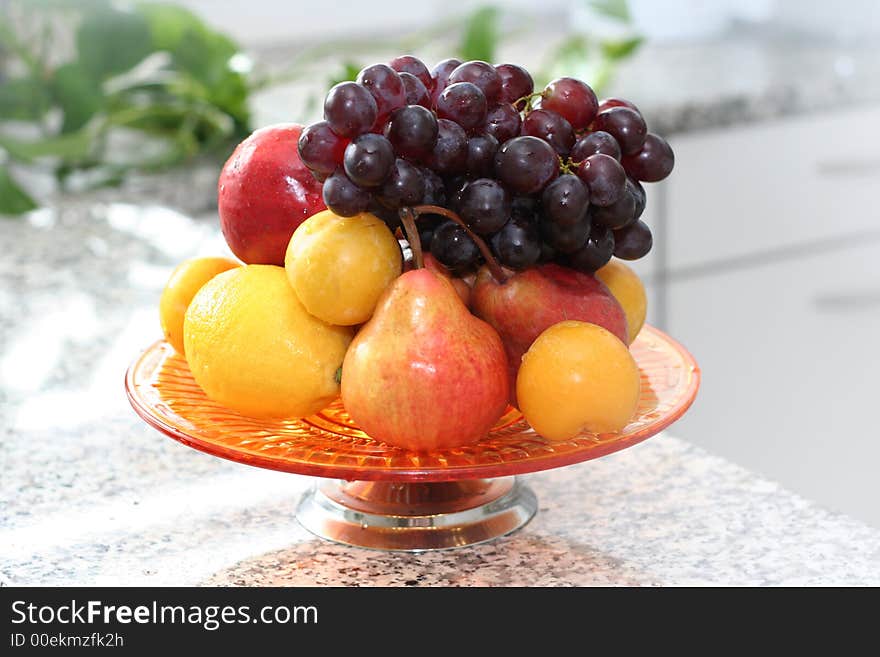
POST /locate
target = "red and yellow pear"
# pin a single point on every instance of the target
(424, 373)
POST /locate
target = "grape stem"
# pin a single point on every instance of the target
(415, 212)
(527, 101)
(408, 219)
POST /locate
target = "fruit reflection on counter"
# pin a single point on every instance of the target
(439, 246)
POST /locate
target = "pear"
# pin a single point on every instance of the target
(423, 373)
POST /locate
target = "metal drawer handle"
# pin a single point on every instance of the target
(857, 300)
(847, 167)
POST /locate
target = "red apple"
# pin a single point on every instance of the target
(264, 193)
(531, 301)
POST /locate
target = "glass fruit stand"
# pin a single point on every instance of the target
(382, 497)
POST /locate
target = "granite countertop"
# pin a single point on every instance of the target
(90, 495)
(747, 78)
(747, 75)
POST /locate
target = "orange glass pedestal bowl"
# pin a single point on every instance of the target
(383, 497)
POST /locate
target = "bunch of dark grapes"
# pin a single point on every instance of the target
(549, 176)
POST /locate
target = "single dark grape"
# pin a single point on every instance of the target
(551, 127)
(412, 131)
(350, 109)
(481, 74)
(638, 192)
(405, 185)
(484, 205)
(368, 160)
(525, 206)
(596, 253)
(435, 188)
(565, 200)
(453, 247)
(443, 69)
(549, 254)
(385, 85)
(604, 176)
(321, 149)
(626, 125)
(343, 197)
(572, 99)
(593, 143)
(427, 225)
(464, 103)
(525, 165)
(481, 151)
(653, 162)
(633, 242)
(608, 103)
(566, 239)
(516, 84)
(416, 92)
(454, 187)
(440, 77)
(413, 66)
(620, 213)
(518, 244)
(389, 216)
(503, 122)
(449, 156)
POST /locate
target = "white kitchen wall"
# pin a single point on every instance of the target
(265, 22)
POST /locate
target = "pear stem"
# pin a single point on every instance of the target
(494, 268)
(408, 219)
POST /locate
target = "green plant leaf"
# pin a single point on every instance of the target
(110, 41)
(72, 146)
(22, 98)
(77, 93)
(169, 24)
(480, 35)
(348, 73)
(202, 52)
(621, 48)
(13, 199)
(616, 9)
(571, 57)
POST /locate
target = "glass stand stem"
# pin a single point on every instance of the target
(416, 516)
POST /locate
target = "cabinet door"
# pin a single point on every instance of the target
(783, 185)
(790, 355)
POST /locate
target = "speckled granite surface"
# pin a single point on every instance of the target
(744, 76)
(91, 495)
(746, 79)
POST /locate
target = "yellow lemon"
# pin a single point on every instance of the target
(253, 347)
(186, 279)
(340, 266)
(627, 288)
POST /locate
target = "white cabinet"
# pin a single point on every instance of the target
(772, 187)
(790, 355)
(768, 269)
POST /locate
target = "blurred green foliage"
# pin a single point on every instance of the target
(589, 57)
(156, 72)
(155, 69)
(481, 35)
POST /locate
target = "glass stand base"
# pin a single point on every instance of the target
(415, 517)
